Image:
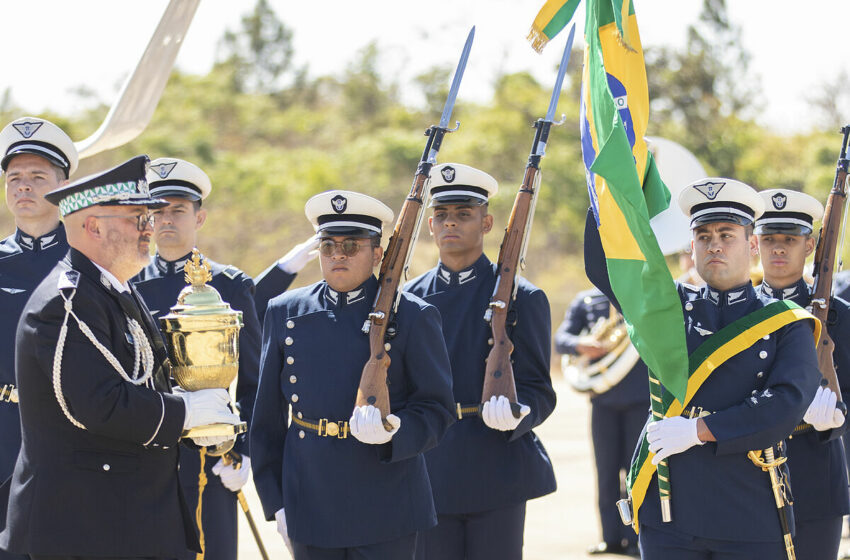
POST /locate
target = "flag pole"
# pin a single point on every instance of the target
(663, 469)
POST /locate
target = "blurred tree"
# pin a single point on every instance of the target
(259, 53)
(703, 97)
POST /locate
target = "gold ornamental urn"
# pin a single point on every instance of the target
(202, 336)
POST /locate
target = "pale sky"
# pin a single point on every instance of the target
(795, 47)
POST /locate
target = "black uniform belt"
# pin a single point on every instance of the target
(695, 412)
(324, 427)
(9, 394)
(468, 410)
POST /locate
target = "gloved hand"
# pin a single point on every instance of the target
(497, 414)
(300, 255)
(366, 425)
(822, 414)
(280, 517)
(206, 406)
(670, 436)
(233, 478)
(210, 441)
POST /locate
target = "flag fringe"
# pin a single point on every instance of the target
(538, 39)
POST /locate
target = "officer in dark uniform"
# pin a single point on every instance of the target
(97, 472)
(815, 458)
(722, 504)
(616, 418)
(339, 483)
(485, 469)
(37, 157)
(183, 185)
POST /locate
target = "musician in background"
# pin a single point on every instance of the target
(616, 416)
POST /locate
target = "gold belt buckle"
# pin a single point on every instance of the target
(338, 430)
(9, 393)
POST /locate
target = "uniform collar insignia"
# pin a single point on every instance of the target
(457, 278)
(171, 267)
(46, 241)
(26, 241)
(729, 297)
(356, 295)
(791, 292)
(332, 296)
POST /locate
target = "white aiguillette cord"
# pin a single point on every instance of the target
(143, 355)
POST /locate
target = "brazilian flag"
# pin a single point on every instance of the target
(625, 192)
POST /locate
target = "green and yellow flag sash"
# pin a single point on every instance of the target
(711, 354)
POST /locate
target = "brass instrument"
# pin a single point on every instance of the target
(202, 335)
(621, 356)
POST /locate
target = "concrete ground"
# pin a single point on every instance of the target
(559, 526)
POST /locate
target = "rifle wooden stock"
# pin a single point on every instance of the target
(373, 380)
(824, 267)
(499, 373)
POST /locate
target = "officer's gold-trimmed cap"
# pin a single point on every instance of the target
(177, 177)
(340, 212)
(789, 212)
(31, 135)
(456, 183)
(718, 199)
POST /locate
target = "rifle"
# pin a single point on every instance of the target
(824, 266)
(499, 373)
(373, 381)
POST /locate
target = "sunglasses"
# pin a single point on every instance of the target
(142, 220)
(348, 247)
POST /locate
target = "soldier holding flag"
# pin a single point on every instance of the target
(722, 504)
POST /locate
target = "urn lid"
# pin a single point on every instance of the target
(199, 298)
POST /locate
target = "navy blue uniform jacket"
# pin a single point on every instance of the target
(476, 468)
(160, 283)
(270, 283)
(816, 459)
(587, 307)
(99, 491)
(24, 262)
(757, 397)
(341, 492)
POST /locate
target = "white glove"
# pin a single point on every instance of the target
(670, 436)
(206, 406)
(300, 255)
(232, 477)
(366, 425)
(497, 414)
(280, 517)
(210, 441)
(822, 414)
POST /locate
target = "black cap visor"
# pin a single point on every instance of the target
(36, 151)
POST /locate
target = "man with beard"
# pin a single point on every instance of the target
(97, 472)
